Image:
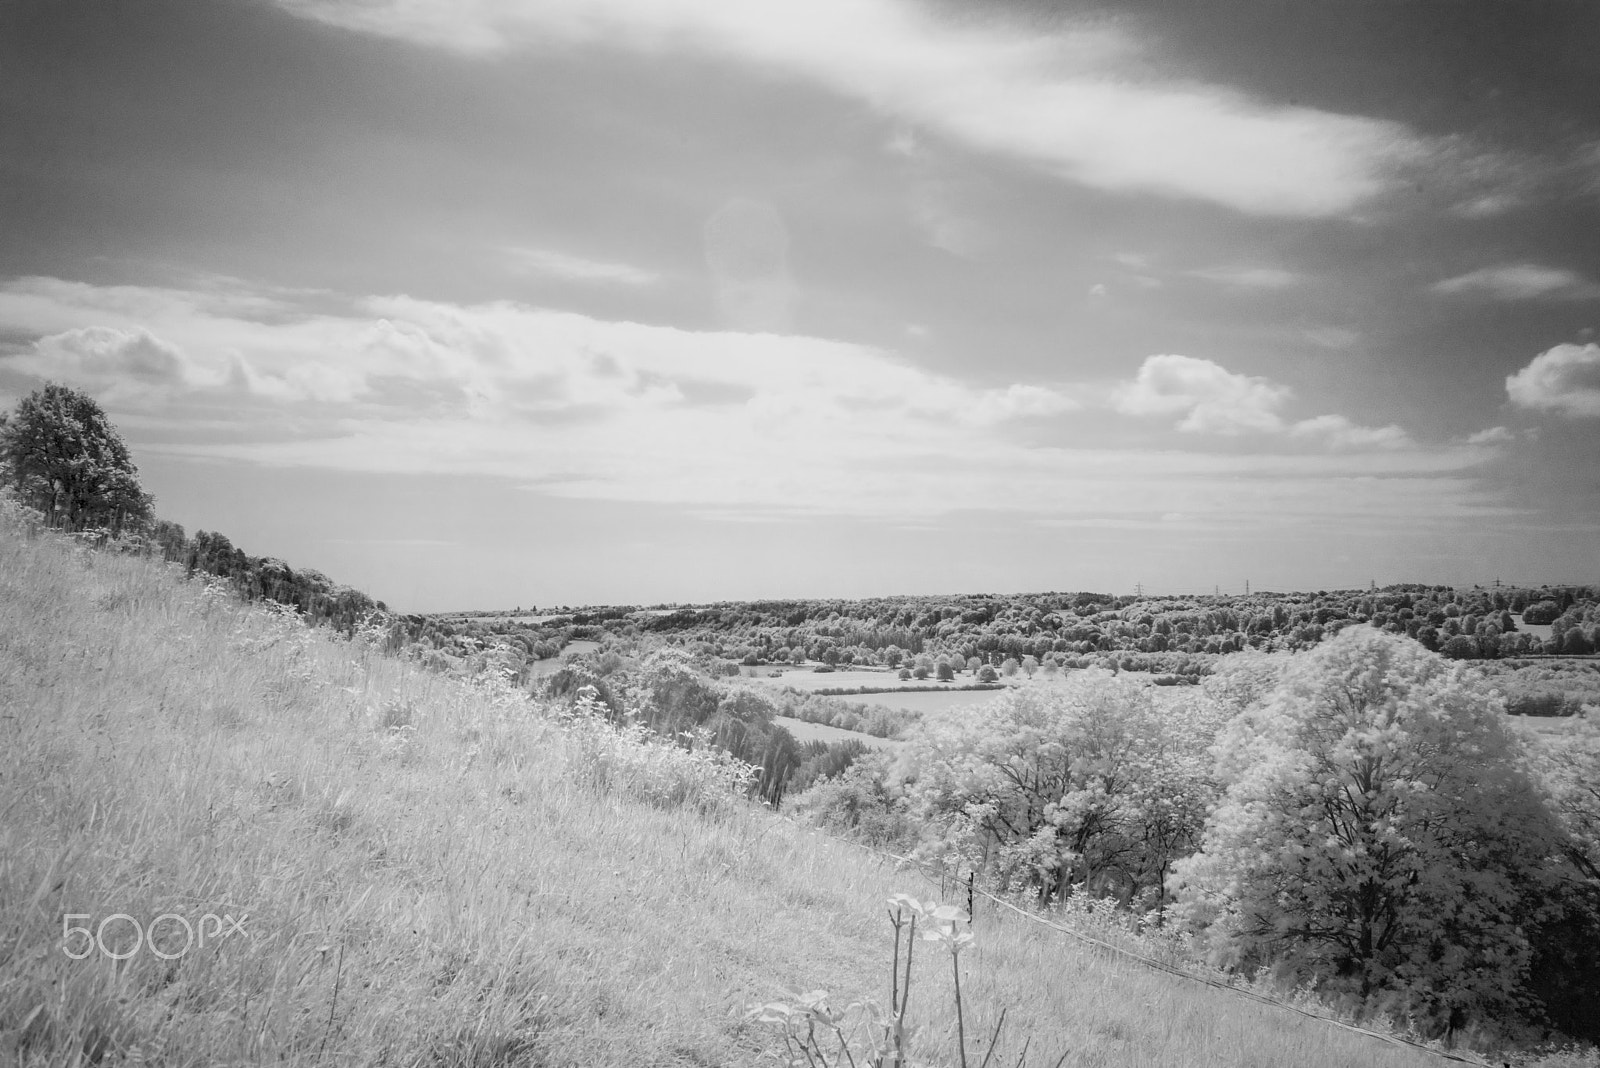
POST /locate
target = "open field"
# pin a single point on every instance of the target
(927, 702)
(821, 732)
(549, 664)
(431, 872)
(808, 680)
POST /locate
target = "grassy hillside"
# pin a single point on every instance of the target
(432, 873)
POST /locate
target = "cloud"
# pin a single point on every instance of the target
(1249, 277)
(577, 268)
(1495, 435)
(121, 365)
(1565, 379)
(1211, 398)
(1340, 433)
(1214, 400)
(1523, 281)
(727, 423)
(1018, 402)
(1059, 101)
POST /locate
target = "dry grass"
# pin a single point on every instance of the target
(432, 876)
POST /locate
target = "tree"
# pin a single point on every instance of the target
(1377, 836)
(1083, 786)
(945, 672)
(65, 458)
(1563, 972)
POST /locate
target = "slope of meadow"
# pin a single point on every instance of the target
(433, 873)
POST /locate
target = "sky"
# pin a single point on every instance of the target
(483, 304)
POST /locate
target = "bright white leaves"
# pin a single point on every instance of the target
(1056, 786)
(1381, 835)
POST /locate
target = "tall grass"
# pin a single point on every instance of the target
(430, 872)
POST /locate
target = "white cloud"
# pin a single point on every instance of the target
(1565, 379)
(577, 268)
(1522, 281)
(1495, 435)
(120, 365)
(1060, 101)
(1214, 400)
(732, 424)
(1211, 398)
(1340, 433)
(1249, 277)
(1018, 402)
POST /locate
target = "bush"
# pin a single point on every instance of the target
(1542, 614)
(858, 803)
(630, 760)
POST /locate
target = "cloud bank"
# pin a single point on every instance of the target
(729, 424)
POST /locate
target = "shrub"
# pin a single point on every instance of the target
(632, 760)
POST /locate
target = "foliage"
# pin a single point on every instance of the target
(1057, 785)
(1377, 836)
(860, 803)
(630, 760)
(1545, 687)
(63, 457)
(1185, 638)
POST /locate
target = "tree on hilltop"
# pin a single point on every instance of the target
(63, 457)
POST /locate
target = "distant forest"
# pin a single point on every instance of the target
(1164, 634)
